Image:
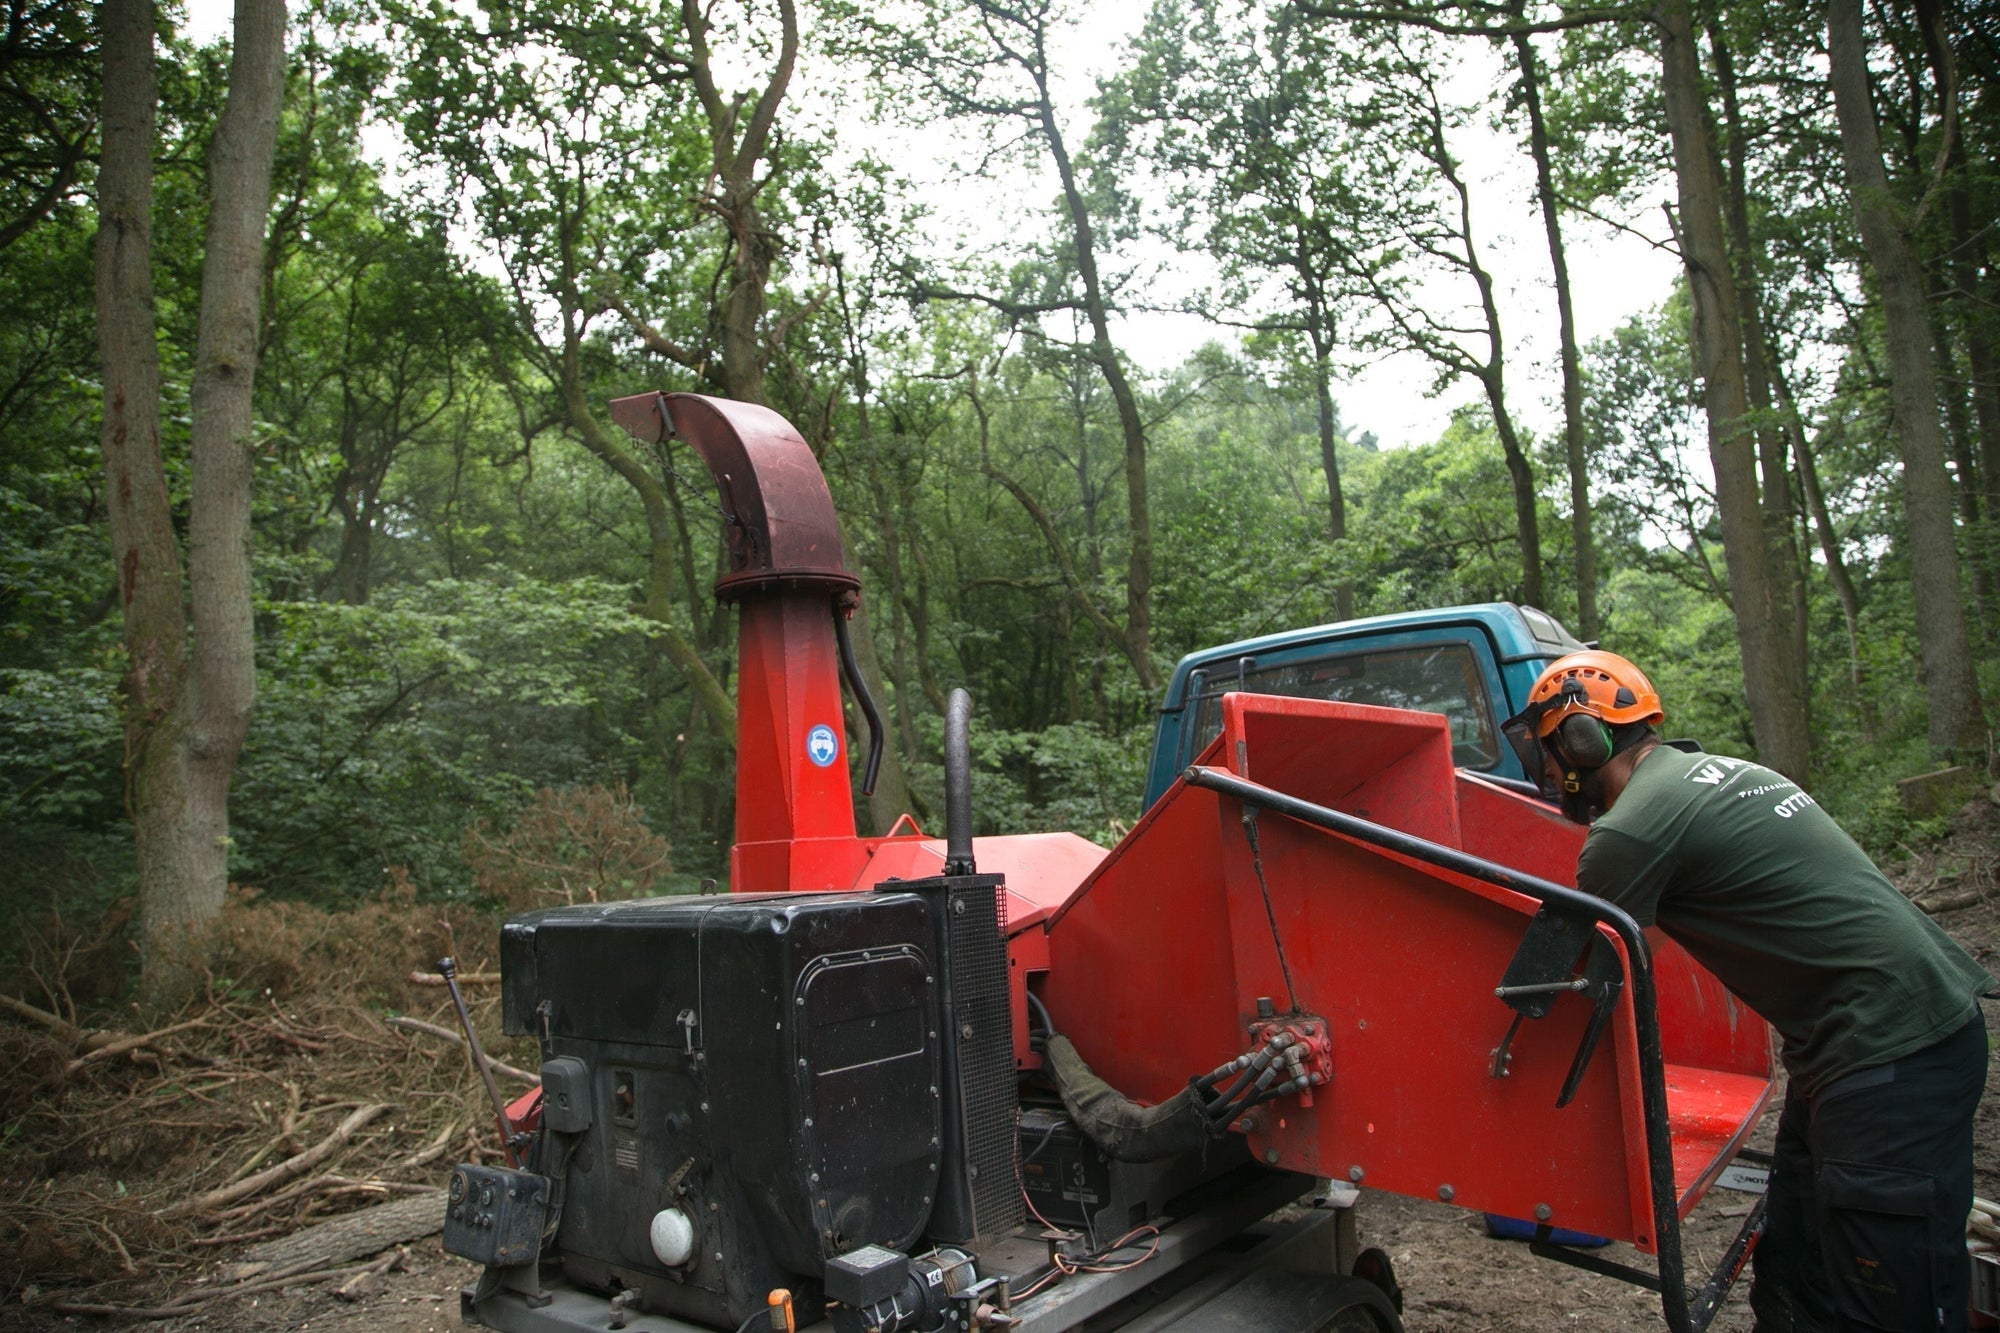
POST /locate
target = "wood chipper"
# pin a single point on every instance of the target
(918, 1083)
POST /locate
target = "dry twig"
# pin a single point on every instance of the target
(191, 1301)
(120, 1045)
(292, 1166)
(446, 1034)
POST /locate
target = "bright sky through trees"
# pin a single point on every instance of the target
(1615, 275)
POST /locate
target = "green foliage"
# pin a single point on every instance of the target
(59, 747)
(1075, 776)
(1687, 644)
(450, 582)
(383, 731)
(1436, 522)
(54, 561)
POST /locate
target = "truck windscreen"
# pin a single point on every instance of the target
(1434, 678)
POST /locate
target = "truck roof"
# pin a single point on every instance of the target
(1517, 632)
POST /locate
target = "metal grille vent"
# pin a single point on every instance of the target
(986, 1070)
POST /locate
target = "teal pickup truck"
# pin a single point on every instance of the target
(1474, 664)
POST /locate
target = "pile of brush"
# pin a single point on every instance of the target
(153, 1168)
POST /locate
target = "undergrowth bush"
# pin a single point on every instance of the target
(583, 844)
(287, 949)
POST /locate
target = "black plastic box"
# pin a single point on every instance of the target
(766, 1064)
(495, 1217)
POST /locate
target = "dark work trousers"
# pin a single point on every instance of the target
(1871, 1181)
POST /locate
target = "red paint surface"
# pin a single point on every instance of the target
(1157, 963)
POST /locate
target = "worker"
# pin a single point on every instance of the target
(1884, 1044)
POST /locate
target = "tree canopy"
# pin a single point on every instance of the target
(1776, 483)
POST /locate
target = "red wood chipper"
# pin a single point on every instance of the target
(911, 1083)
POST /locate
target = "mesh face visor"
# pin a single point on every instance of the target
(1520, 732)
(1524, 731)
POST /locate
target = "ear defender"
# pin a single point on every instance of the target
(1582, 741)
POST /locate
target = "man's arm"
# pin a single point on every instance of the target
(1625, 871)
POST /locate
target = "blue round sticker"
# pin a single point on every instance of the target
(822, 747)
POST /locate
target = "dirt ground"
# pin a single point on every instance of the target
(1456, 1278)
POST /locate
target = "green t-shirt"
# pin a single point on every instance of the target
(1748, 874)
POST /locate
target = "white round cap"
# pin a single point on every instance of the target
(672, 1236)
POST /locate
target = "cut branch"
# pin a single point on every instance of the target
(446, 1034)
(288, 1169)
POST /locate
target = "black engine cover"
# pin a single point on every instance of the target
(766, 1064)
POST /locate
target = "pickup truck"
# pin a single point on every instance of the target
(1474, 664)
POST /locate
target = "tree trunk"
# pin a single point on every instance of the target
(1773, 696)
(734, 159)
(1527, 516)
(145, 556)
(188, 707)
(1572, 374)
(1829, 546)
(223, 684)
(1788, 588)
(1492, 372)
(1957, 722)
(1959, 437)
(1138, 634)
(660, 532)
(1961, 266)
(1329, 456)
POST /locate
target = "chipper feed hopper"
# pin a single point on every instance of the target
(911, 1083)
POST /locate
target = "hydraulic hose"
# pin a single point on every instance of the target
(852, 671)
(1115, 1123)
(958, 785)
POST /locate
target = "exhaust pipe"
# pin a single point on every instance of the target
(958, 785)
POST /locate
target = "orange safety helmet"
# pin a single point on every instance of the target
(1591, 684)
(1608, 687)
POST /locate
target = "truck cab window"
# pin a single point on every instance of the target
(1433, 678)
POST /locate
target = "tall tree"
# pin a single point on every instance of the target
(570, 131)
(1529, 66)
(1235, 113)
(1965, 170)
(744, 157)
(1957, 721)
(1775, 696)
(989, 63)
(1409, 105)
(1788, 594)
(190, 681)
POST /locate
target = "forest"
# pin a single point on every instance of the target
(323, 575)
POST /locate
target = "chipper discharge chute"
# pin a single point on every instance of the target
(842, 1089)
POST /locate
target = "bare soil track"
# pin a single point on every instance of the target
(95, 1153)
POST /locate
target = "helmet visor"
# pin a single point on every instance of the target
(1520, 731)
(1525, 729)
